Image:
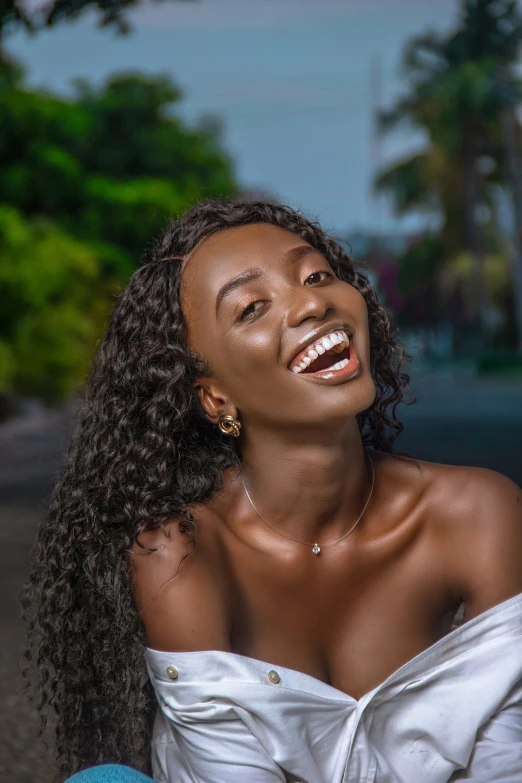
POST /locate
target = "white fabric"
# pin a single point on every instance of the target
(452, 713)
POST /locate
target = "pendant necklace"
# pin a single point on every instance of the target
(316, 549)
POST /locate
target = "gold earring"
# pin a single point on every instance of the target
(229, 425)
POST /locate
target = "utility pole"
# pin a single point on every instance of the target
(511, 142)
(376, 141)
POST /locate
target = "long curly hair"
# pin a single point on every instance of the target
(140, 455)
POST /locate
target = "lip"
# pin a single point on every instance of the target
(311, 337)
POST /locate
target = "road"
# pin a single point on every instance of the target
(30, 452)
(462, 421)
(459, 421)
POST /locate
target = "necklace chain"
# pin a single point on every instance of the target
(315, 547)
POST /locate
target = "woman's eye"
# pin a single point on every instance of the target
(250, 310)
(317, 277)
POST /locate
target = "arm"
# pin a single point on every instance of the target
(483, 535)
(487, 533)
(185, 605)
(182, 591)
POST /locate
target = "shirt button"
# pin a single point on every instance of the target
(273, 677)
(172, 672)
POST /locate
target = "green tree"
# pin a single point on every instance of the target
(144, 162)
(110, 164)
(455, 98)
(85, 184)
(53, 307)
(16, 14)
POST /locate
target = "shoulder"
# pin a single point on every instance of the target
(477, 514)
(181, 590)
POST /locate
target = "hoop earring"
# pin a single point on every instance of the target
(229, 425)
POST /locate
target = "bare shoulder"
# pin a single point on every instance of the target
(478, 514)
(181, 590)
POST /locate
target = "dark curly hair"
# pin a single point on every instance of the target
(141, 454)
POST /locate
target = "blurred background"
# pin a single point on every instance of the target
(396, 123)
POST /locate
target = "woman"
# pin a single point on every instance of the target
(233, 529)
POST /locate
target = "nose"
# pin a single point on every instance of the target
(307, 302)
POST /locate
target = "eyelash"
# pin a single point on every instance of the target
(244, 317)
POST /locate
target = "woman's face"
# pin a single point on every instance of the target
(257, 299)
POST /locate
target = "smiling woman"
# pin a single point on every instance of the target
(233, 547)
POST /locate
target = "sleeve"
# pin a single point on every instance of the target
(211, 751)
(497, 753)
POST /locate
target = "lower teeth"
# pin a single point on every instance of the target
(339, 365)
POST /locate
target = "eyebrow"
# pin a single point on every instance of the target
(291, 256)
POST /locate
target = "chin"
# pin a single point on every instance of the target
(370, 392)
(360, 394)
(351, 399)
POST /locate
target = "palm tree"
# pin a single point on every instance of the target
(455, 98)
(510, 94)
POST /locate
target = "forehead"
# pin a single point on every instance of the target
(231, 251)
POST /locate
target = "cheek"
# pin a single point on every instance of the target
(351, 302)
(243, 361)
(360, 312)
(358, 303)
(254, 351)
(355, 305)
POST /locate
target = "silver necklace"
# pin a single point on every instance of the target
(315, 547)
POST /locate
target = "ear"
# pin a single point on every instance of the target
(213, 399)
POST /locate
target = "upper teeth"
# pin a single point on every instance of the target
(321, 346)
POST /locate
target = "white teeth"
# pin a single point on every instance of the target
(338, 365)
(320, 347)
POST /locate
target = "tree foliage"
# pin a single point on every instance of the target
(458, 87)
(49, 282)
(85, 184)
(16, 14)
(454, 96)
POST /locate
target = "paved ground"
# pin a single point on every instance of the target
(455, 421)
(30, 452)
(462, 421)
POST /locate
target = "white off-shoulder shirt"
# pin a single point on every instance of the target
(451, 713)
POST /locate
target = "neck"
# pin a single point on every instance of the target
(309, 491)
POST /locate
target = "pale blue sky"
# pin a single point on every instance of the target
(291, 80)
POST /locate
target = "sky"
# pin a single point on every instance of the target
(295, 83)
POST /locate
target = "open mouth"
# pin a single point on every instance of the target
(327, 356)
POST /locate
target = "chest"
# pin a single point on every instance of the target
(350, 619)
